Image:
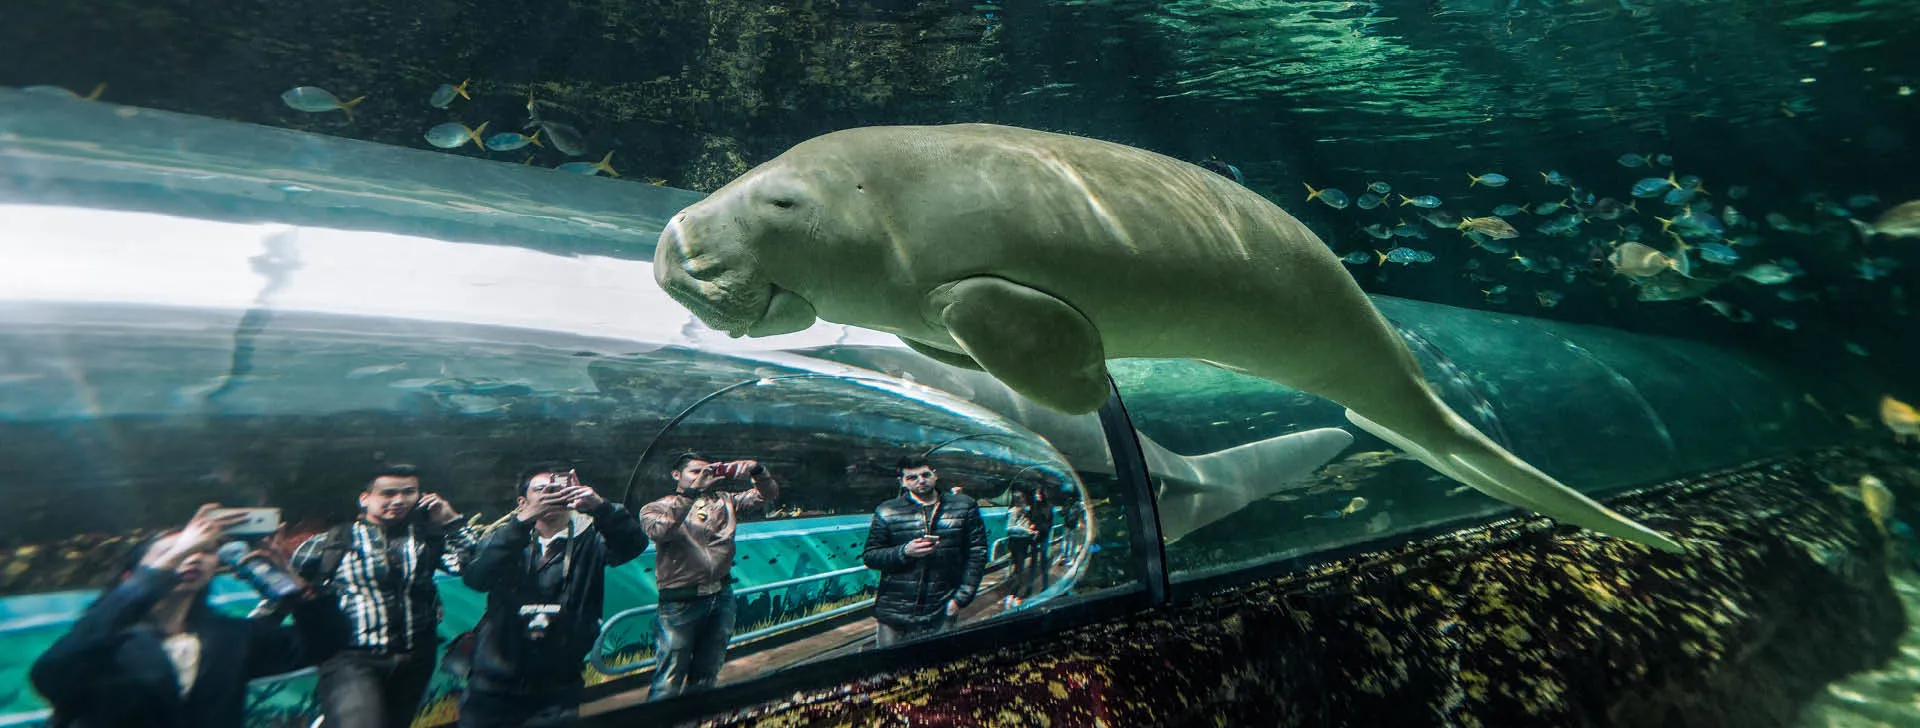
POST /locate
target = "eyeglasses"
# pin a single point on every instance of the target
(917, 476)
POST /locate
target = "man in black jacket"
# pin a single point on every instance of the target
(151, 653)
(543, 571)
(930, 548)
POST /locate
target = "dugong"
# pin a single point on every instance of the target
(1035, 257)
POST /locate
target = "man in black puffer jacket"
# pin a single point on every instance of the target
(930, 548)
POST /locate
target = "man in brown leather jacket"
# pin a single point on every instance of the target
(692, 531)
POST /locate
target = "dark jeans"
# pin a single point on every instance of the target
(1071, 545)
(361, 689)
(1020, 556)
(690, 642)
(887, 635)
(1042, 566)
(549, 709)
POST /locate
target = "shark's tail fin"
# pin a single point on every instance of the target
(1261, 467)
(1196, 490)
(1476, 461)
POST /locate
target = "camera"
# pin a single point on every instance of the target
(539, 618)
(259, 572)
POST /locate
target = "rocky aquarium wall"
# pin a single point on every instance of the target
(689, 92)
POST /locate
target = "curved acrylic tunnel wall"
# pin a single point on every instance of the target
(1596, 408)
(194, 310)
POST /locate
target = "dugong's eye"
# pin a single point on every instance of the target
(783, 203)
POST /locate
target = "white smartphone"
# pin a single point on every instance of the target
(260, 521)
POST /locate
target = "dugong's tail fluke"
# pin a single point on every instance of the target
(1473, 459)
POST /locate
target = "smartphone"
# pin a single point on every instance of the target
(419, 516)
(260, 521)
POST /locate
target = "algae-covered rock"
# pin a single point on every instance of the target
(653, 81)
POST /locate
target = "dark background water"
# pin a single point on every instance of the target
(1418, 94)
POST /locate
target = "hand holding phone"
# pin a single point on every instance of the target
(920, 547)
(248, 522)
(434, 509)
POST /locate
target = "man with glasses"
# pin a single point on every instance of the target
(693, 531)
(930, 548)
(543, 570)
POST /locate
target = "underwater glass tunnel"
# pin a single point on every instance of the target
(210, 295)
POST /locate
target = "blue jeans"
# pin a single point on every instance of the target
(690, 641)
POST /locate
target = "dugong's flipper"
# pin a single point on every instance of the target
(1036, 344)
(1196, 490)
(942, 355)
(1478, 462)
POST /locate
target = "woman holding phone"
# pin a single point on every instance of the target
(151, 652)
(1021, 535)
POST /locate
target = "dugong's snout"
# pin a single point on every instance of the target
(724, 291)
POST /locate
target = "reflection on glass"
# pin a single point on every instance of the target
(189, 353)
(142, 408)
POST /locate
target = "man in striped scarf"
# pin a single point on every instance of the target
(381, 568)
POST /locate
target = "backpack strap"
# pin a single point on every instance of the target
(339, 542)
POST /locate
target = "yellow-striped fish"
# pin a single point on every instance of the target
(1879, 501)
(1899, 417)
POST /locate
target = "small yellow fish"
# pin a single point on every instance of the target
(64, 93)
(1491, 227)
(446, 92)
(1879, 501)
(1808, 398)
(1640, 261)
(591, 168)
(1903, 221)
(1899, 417)
(317, 100)
(1353, 506)
(1376, 458)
